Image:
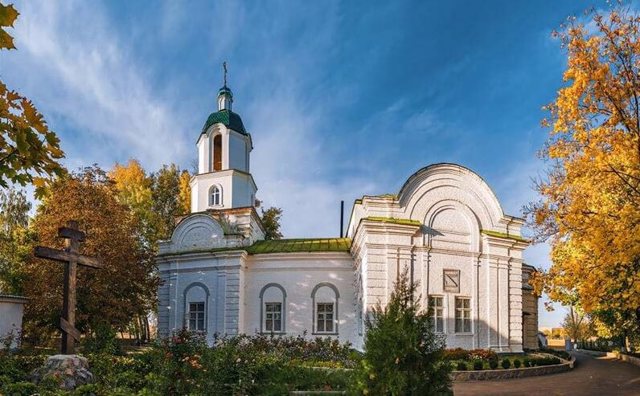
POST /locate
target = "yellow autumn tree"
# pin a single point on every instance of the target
(185, 192)
(590, 205)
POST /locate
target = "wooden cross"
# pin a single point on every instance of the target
(71, 258)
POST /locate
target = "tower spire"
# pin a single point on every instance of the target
(225, 97)
(224, 67)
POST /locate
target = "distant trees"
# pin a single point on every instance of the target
(576, 325)
(590, 205)
(15, 239)
(28, 149)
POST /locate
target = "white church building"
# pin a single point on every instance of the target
(445, 227)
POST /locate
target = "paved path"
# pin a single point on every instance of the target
(591, 376)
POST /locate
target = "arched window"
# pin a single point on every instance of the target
(215, 196)
(196, 297)
(217, 152)
(273, 301)
(325, 308)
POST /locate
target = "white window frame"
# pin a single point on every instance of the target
(326, 317)
(463, 315)
(437, 313)
(263, 309)
(217, 190)
(197, 316)
(273, 316)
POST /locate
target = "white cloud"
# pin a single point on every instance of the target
(83, 75)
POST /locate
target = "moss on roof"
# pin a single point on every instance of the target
(498, 234)
(281, 246)
(300, 245)
(226, 117)
(393, 220)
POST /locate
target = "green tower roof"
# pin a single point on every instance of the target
(226, 117)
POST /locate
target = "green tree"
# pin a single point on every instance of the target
(165, 192)
(29, 151)
(271, 223)
(112, 296)
(15, 239)
(402, 354)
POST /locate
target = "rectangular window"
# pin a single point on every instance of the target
(196, 316)
(437, 313)
(273, 317)
(463, 315)
(324, 318)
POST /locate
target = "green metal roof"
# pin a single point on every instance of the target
(394, 220)
(498, 234)
(281, 246)
(300, 245)
(226, 117)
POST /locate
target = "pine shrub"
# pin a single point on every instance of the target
(527, 363)
(477, 364)
(402, 354)
(506, 363)
(461, 366)
(493, 364)
(516, 363)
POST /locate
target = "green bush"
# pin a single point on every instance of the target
(545, 361)
(477, 365)
(102, 340)
(527, 362)
(402, 353)
(517, 363)
(493, 364)
(506, 363)
(20, 389)
(461, 366)
(562, 354)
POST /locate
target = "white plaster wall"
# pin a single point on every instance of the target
(238, 148)
(11, 310)
(298, 274)
(454, 205)
(243, 190)
(188, 279)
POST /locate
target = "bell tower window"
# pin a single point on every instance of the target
(215, 196)
(217, 153)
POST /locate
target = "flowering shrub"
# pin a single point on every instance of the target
(184, 364)
(456, 354)
(482, 354)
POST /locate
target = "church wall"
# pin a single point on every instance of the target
(212, 280)
(298, 274)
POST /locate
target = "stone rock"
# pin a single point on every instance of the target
(70, 371)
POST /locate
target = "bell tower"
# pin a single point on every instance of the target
(224, 146)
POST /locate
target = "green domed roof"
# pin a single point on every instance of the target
(227, 117)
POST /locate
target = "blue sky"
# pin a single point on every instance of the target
(342, 98)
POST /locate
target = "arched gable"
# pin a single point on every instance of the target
(197, 231)
(439, 186)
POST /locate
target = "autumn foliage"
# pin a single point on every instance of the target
(111, 296)
(590, 206)
(29, 151)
